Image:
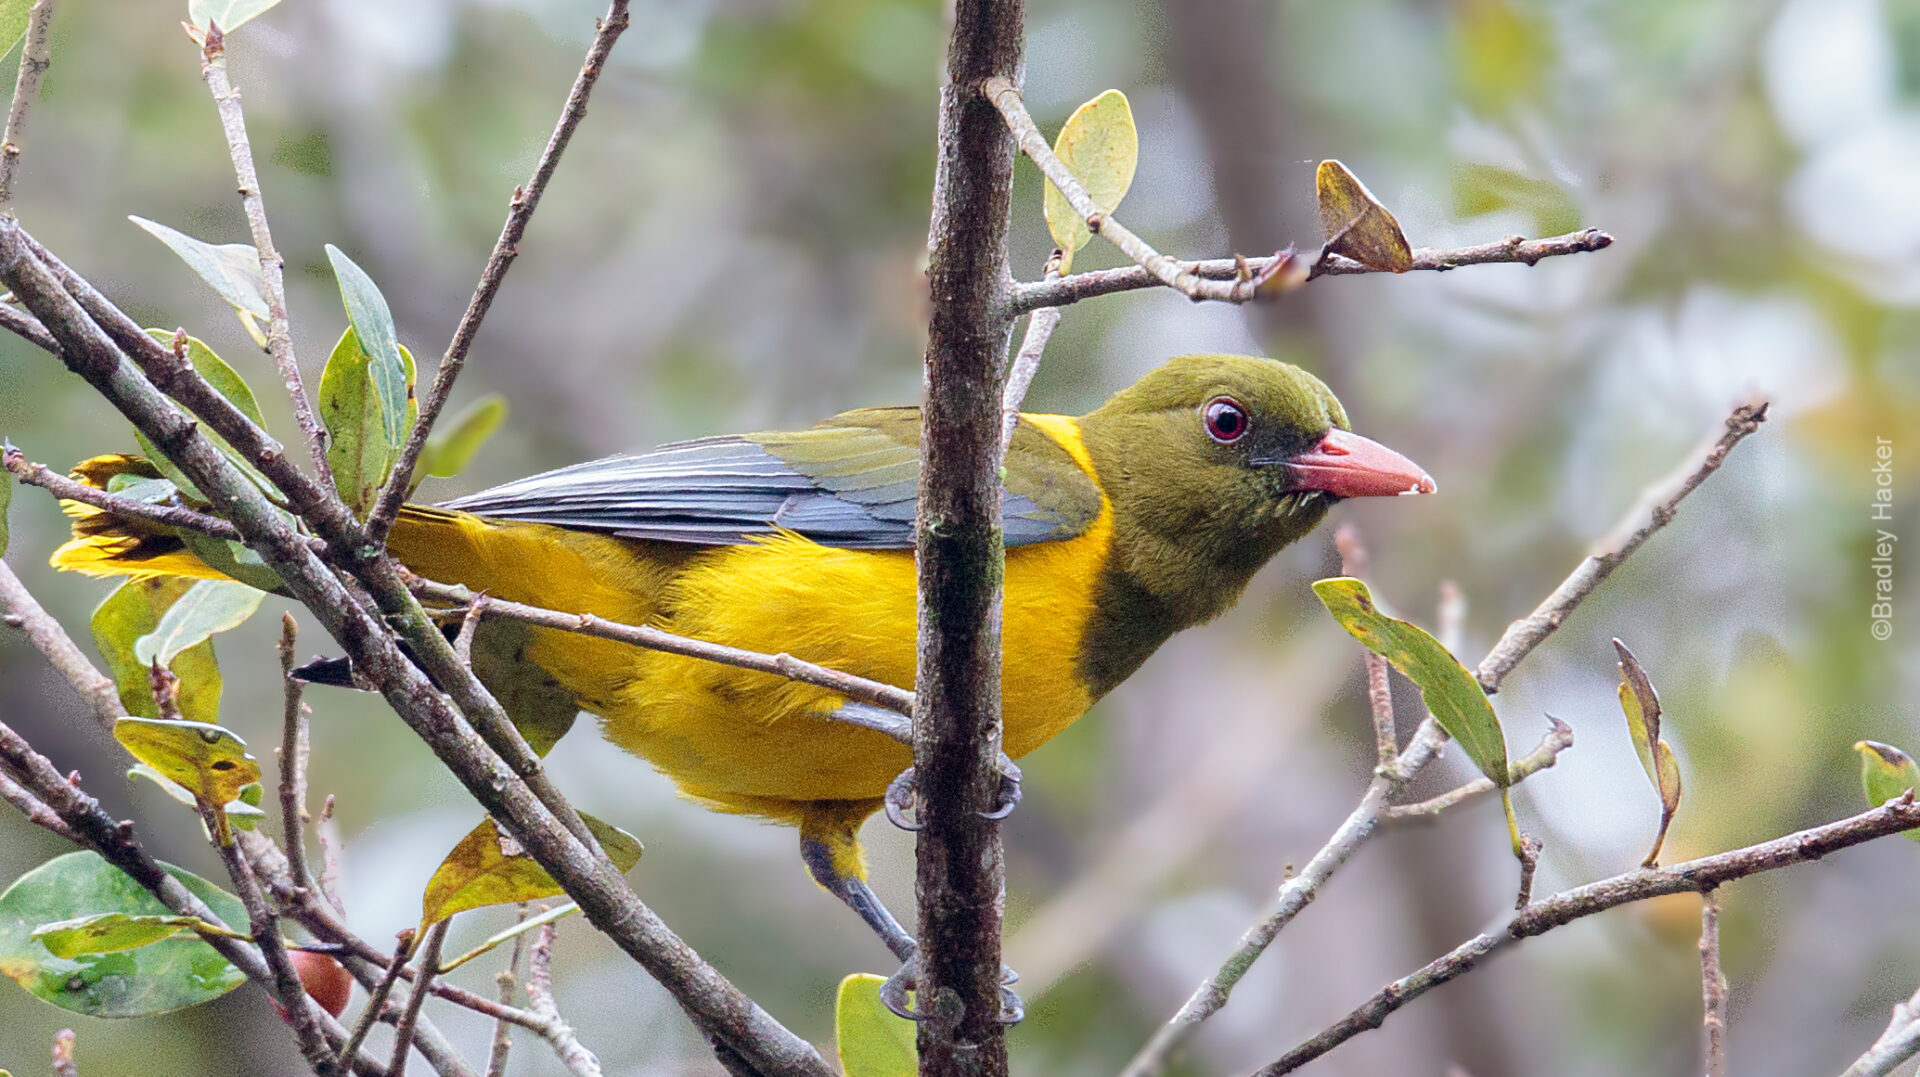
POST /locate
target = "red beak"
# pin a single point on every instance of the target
(1345, 464)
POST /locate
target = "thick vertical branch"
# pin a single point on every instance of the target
(957, 714)
(36, 55)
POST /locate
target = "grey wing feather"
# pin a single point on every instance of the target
(725, 491)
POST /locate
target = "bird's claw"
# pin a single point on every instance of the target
(893, 994)
(901, 794)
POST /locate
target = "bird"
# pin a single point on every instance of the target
(1144, 517)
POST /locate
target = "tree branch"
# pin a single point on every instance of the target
(956, 724)
(1898, 1043)
(410, 1017)
(579, 1061)
(1026, 361)
(1713, 984)
(294, 747)
(273, 285)
(505, 249)
(1072, 289)
(1701, 876)
(66, 489)
(1558, 739)
(36, 55)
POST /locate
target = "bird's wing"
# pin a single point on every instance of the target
(850, 482)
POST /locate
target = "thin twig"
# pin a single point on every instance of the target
(1898, 1043)
(1026, 361)
(294, 746)
(27, 327)
(1386, 735)
(1663, 500)
(63, 1063)
(579, 1061)
(1701, 876)
(328, 834)
(1519, 641)
(507, 983)
(1713, 984)
(24, 612)
(410, 1017)
(273, 285)
(377, 998)
(782, 665)
(66, 489)
(1558, 739)
(265, 929)
(36, 55)
(1168, 271)
(34, 808)
(505, 249)
(469, 624)
(1028, 295)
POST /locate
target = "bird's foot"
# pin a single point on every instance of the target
(893, 994)
(901, 798)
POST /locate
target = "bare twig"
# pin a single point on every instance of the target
(293, 758)
(410, 1017)
(36, 55)
(1026, 361)
(26, 327)
(66, 489)
(1558, 739)
(34, 808)
(1663, 500)
(505, 249)
(470, 623)
(1701, 875)
(783, 665)
(24, 612)
(1386, 736)
(507, 983)
(1519, 641)
(378, 995)
(579, 1061)
(1898, 1043)
(273, 285)
(328, 834)
(63, 1063)
(1713, 984)
(1078, 286)
(265, 929)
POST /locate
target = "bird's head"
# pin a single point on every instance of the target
(1215, 462)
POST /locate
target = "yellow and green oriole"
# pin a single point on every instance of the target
(1122, 527)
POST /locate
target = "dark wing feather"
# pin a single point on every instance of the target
(850, 482)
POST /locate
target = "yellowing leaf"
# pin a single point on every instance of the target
(1100, 146)
(872, 1040)
(244, 811)
(210, 762)
(135, 610)
(489, 868)
(1641, 704)
(1357, 225)
(113, 932)
(1886, 773)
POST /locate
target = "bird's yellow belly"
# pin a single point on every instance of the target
(758, 743)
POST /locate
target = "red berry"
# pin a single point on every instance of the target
(325, 980)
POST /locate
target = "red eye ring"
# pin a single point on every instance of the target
(1227, 421)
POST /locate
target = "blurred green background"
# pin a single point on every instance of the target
(735, 241)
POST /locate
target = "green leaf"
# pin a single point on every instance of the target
(231, 269)
(245, 815)
(208, 607)
(360, 448)
(166, 975)
(388, 370)
(229, 15)
(1479, 189)
(133, 610)
(1641, 704)
(873, 1041)
(489, 868)
(1457, 701)
(1887, 773)
(228, 383)
(1100, 146)
(13, 22)
(452, 446)
(1357, 225)
(113, 932)
(208, 761)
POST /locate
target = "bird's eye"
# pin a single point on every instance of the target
(1226, 420)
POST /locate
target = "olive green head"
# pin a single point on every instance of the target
(1213, 463)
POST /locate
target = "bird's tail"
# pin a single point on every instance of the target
(105, 543)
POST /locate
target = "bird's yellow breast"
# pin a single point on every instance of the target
(756, 742)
